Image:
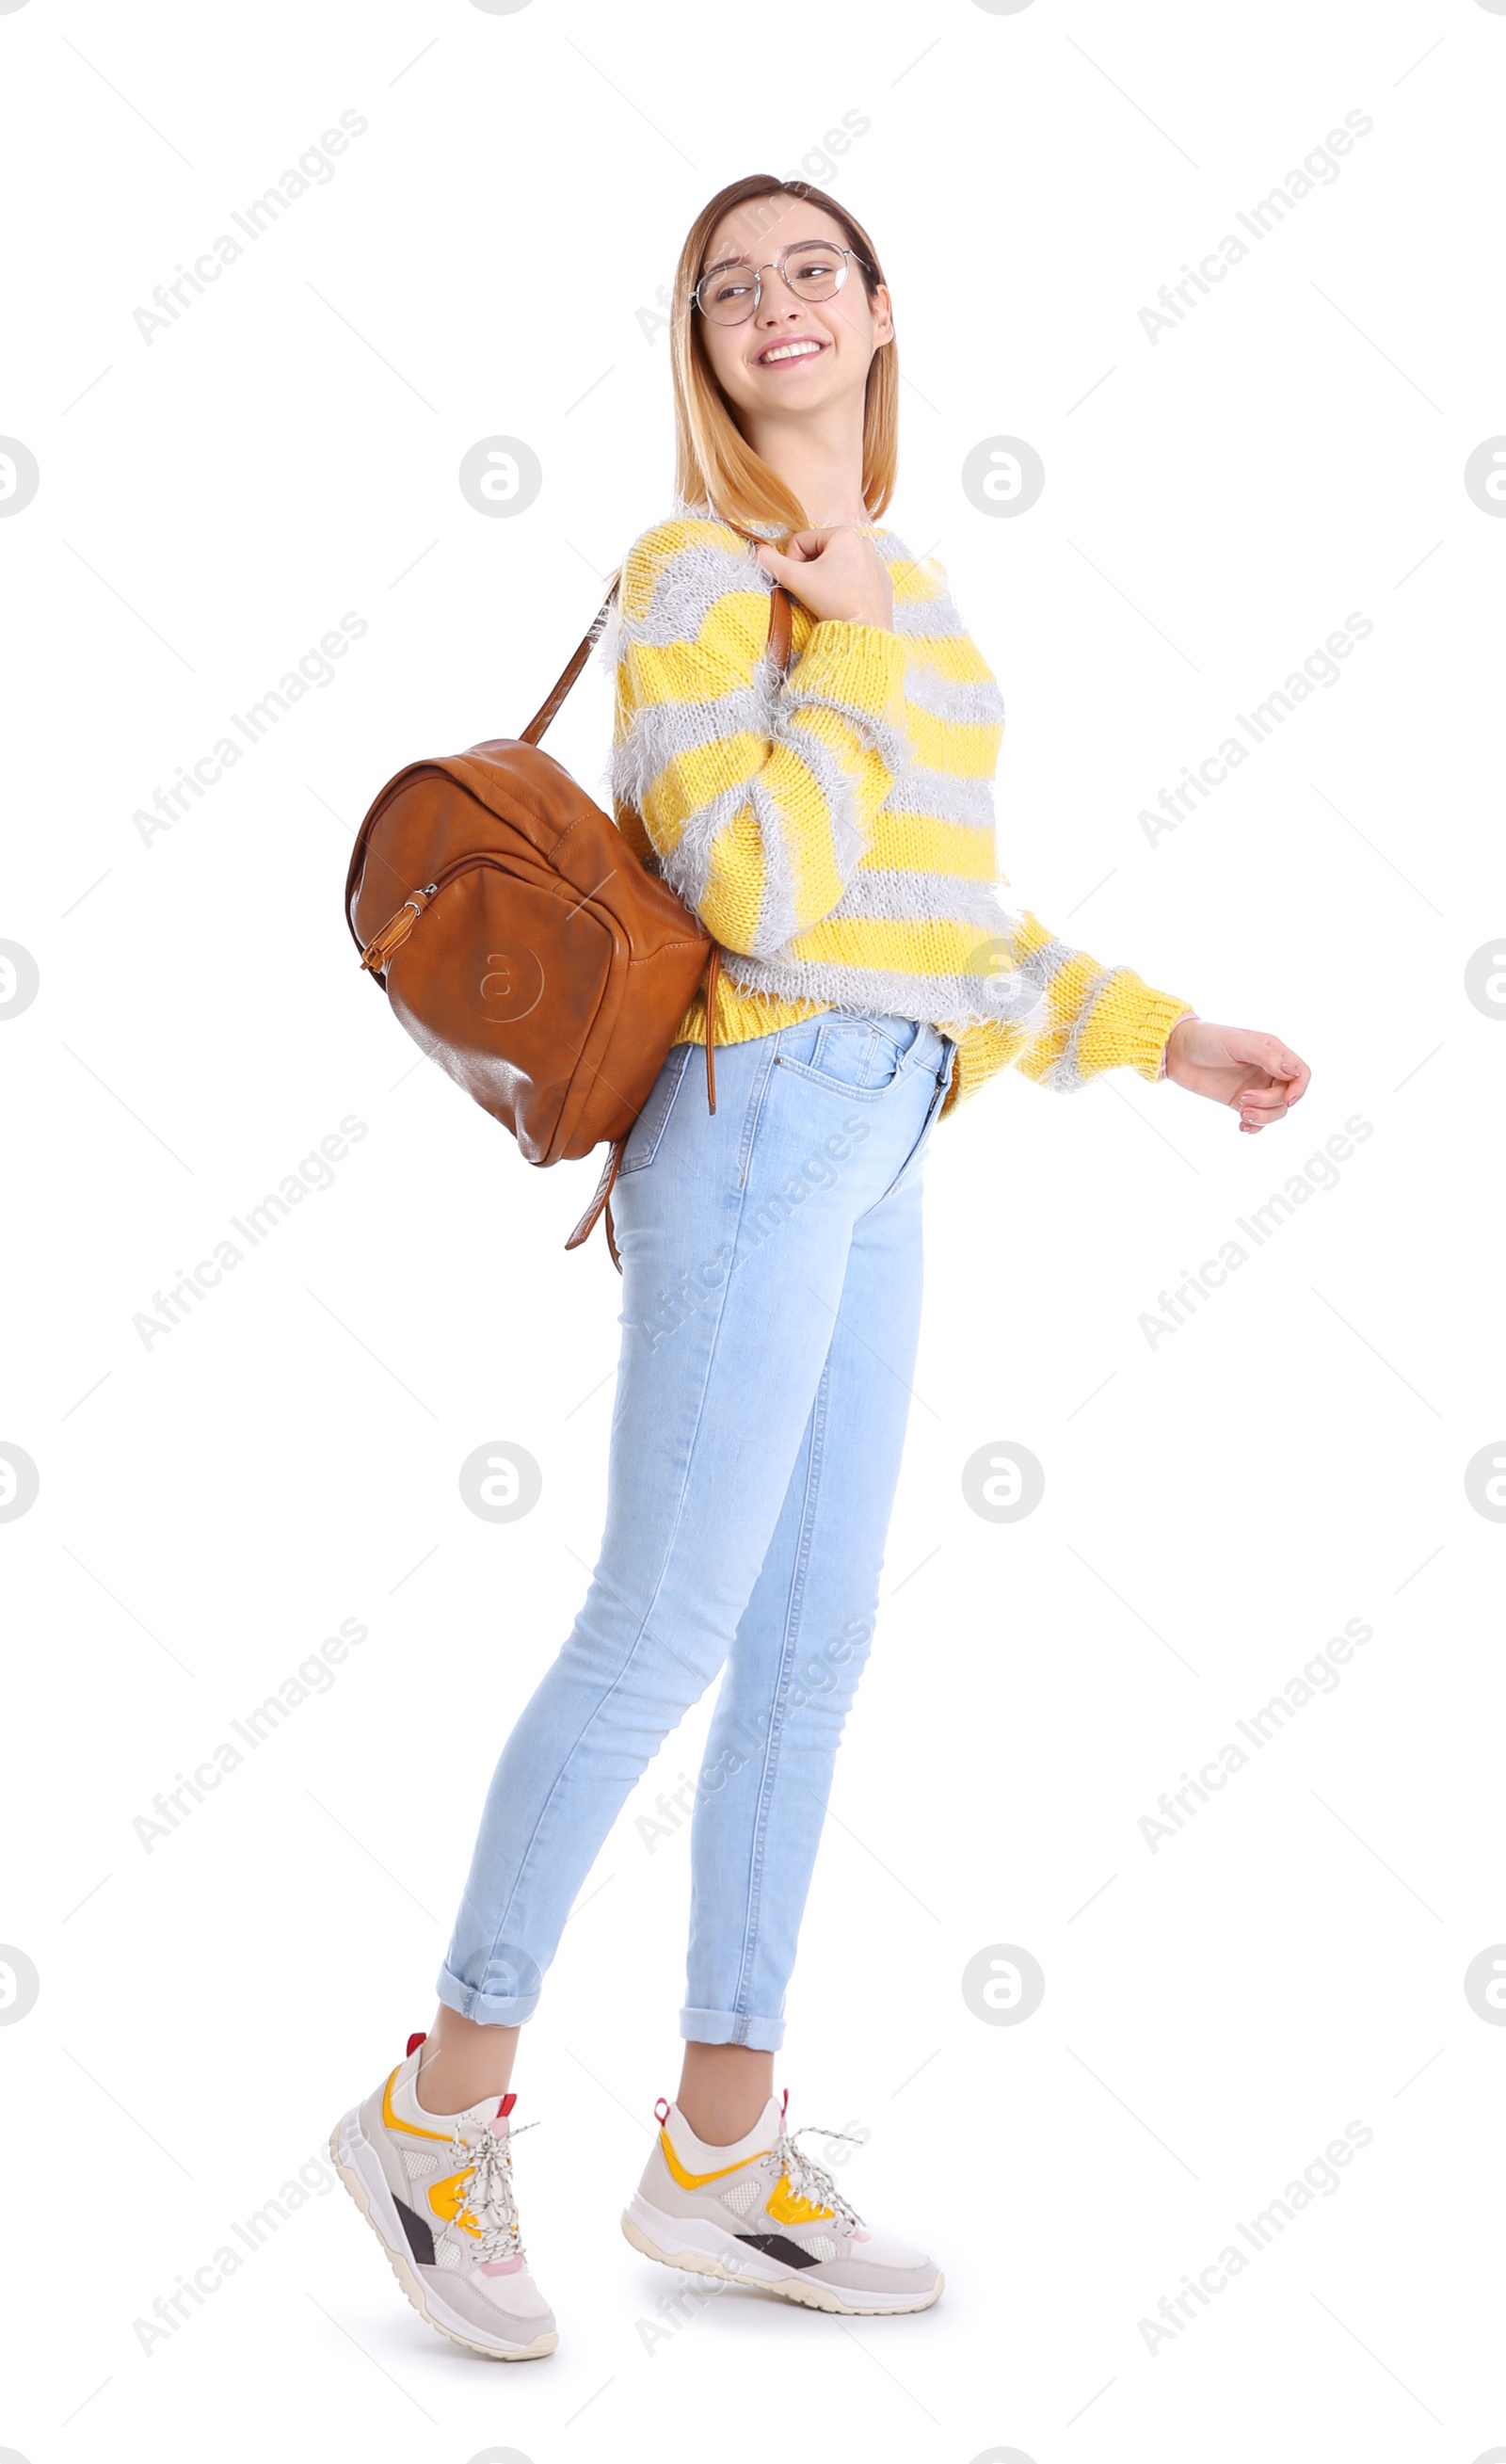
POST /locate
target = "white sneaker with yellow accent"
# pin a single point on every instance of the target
(761, 2212)
(437, 2191)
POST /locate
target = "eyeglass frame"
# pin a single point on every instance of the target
(775, 265)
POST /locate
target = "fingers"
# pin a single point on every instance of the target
(801, 547)
(1260, 1106)
(1279, 1078)
(1268, 1052)
(784, 569)
(1296, 1069)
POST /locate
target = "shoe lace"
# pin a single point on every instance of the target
(811, 2181)
(487, 2201)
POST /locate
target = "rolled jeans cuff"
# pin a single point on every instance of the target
(731, 2028)
(487, 2010)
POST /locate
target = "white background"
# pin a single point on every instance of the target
(1217, 1504)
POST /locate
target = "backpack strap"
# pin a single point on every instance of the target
(533, 733)
(601, 1200)
(549, 708)
(779, 631)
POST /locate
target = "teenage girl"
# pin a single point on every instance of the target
(833, 828)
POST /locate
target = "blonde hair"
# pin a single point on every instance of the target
(715, 467)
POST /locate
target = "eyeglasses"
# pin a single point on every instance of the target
(728, 295)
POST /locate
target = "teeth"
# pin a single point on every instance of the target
(792, 351)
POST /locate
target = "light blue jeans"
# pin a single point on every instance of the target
(770, 1309)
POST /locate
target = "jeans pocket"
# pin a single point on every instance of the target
(853, 1055)
(944, 1069)
(642, 1138)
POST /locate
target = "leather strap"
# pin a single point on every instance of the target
(550, 708)
(780, 627)
(533, 733)
(713, 969)
(779, 631)
(604, 1193)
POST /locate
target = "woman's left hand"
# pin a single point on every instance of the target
(1257, 1074)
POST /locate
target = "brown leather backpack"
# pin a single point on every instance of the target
(524, 946)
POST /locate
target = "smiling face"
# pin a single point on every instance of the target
(794, 354)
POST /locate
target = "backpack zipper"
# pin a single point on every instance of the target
(395, 931)
(385, 944)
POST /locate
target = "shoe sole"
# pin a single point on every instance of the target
(355, 2159)
(663, 2237)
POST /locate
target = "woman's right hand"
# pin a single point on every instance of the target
(838, 574)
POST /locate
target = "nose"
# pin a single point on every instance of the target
(776, 301)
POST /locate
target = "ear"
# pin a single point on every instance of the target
(882, 308)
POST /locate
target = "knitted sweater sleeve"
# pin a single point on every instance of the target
(1084, 1018)
(1069, 1017)
(757, 801)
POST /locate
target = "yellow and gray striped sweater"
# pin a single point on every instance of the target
(835, 832)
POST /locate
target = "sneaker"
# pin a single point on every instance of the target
(760, 2213)
(437, 2191)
